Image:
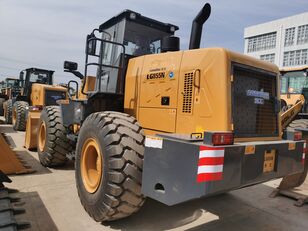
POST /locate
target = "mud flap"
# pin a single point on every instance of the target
(32, 129)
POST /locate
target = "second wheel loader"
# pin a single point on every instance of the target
(37, 91)
(165, 123)
(10, 89)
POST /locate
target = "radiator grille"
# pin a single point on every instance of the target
(188, 93)
(254, 103)
(52, 96)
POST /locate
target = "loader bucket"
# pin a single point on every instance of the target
(9, 163)
(31, 129)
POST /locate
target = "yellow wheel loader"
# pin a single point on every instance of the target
(169, 124)
(37, 91)
(11, 88)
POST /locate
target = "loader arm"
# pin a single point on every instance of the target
(288, 116)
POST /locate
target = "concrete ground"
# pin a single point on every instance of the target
(51, 202)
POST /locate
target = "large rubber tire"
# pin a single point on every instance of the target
(1, 106)
(299, 123)
(52, 141)
(8, 111)
(120, 142)
(19, 115)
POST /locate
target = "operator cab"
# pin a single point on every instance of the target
(125, 36)
(294, 83)
(109, 48)
(34, 75)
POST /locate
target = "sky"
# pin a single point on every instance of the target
(44, 33)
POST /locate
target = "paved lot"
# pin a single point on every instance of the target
(51, 201)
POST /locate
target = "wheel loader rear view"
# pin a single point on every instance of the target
(167, 124)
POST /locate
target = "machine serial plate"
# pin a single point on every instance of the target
(269, 161)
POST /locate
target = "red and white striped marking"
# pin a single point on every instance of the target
(210, 166)
(304, 153)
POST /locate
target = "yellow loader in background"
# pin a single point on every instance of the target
(37, 92)
(10, 88)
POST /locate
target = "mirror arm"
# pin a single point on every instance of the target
(76, 73)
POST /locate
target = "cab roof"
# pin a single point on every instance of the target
(140, 19)
(294, 69)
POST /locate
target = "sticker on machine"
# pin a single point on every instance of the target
(153, 142)
(211, 163)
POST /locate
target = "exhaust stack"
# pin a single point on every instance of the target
(196, 29)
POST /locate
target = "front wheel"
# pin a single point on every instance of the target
(8, 111)
(19, 115)
(109, 161)
(1, 106)
(53, 144)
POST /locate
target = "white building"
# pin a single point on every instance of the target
(283, 41)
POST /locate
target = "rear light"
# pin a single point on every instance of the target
(218, 138)
(298, 136)
(293, 135)
(36, 108)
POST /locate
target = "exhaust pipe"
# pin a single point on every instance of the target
(196, 29)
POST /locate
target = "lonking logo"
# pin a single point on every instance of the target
(158, 75)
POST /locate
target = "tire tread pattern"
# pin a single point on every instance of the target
(21, 114)
(8, 113)
(124, 145)
(57, 145)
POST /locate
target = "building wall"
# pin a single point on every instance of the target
(271, 40)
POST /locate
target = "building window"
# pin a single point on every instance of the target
(289, 37)
(262, 42)
(295, 58)
(268, 57)
(302, 35)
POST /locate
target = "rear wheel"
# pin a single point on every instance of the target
(52, 142)
(1, 106)
(8, 111)
(19, 114)
(109, 160)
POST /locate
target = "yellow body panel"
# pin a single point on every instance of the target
(89, 86)
(31, 129)
(38, 93)
(198, 84)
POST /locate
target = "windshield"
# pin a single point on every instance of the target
(37, 77)
(12, 83)
(294, 82)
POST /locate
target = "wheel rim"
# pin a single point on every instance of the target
(42, 136)
(14, 116)
(91, 165)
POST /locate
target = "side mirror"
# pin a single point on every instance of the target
(91, 44)
(71, 66)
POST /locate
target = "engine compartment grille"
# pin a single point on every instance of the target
(254, 102)
(188, 93)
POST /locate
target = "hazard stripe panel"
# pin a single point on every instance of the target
(210, 164)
